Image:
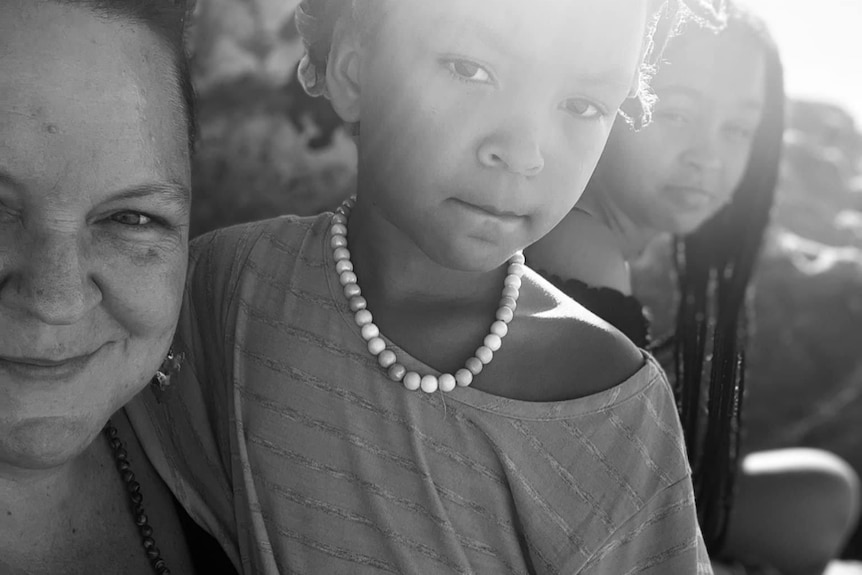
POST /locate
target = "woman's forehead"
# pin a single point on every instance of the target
(84, 90)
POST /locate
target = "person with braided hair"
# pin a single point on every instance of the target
(388, 388)
(706, 171)
(95, 136)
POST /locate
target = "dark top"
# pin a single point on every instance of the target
(624, 312)
(207, 556)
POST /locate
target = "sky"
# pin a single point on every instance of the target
(821, 45)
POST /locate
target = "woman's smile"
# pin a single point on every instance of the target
(46, 367)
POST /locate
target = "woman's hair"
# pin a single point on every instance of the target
(167, 20)
(316, 21)
(714, 266)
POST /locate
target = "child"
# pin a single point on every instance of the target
(389, 388)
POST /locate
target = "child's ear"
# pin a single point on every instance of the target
(342, 73)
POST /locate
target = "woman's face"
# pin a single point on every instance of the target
(94, 180)
(679, 171)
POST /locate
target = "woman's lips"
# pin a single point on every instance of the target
(46, 368)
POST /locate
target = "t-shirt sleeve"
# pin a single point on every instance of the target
(185, 430)
(662, 538)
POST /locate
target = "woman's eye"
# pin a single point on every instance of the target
(135, 219)
(583, 109)
(469, 71)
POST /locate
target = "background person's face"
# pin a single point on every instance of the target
(679, 171)
(93, 223)
(482, 121)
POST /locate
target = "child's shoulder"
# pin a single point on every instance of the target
(580, 353)
(263, 238)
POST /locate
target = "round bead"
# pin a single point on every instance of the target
(514, 269)
(518, 258)
(370, 331)
(447, 382)
(376, 345)
(338, 242)
(512, 280)
(347, 278)
(412, 380)
(342, 210)
(387, 359)
(429, 383)
(474, 365)
(396, 371)
(511, 292)
(350, 202)
(505, 314)
(463, 377)
(499, 328)
(351, 291)
(357, 303)
(362, 317)
(338, 230)
(493, 342)
(342, 266)
(341, 254)
(339, 219)
(484, 354)
(508, 302)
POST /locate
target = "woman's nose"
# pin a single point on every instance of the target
(515, 150)
(51, 281)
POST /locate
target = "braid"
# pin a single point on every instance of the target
(714, 267)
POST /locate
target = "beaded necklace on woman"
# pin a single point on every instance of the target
(386, 358)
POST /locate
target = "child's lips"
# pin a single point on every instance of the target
(489, 210)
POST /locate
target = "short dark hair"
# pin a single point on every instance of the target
(166, 19)
(316, 21)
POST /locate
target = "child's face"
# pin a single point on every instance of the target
(482, 120)
(679, 171)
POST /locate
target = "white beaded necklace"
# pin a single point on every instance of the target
(411, 380)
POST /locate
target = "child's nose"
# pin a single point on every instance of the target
(517, 152)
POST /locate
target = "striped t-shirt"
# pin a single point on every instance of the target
(284, 437)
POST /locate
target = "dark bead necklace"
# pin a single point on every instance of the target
(121, 457)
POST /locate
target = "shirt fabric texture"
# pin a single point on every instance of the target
(285, 439)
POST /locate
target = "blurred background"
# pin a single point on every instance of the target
(266, 149)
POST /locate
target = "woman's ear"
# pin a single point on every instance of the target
(342, 72)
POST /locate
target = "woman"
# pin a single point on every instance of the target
(706, 171)
(94, 196)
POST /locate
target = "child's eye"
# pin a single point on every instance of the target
(469, 71)
(133, 219)
(584, 109)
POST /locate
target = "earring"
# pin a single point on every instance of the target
(170, 366)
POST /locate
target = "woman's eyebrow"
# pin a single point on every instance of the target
(167, 192)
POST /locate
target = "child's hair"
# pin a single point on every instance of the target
(714, 266)
(167, 20)
(316, 20)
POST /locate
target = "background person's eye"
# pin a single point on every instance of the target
(583, 109)
(134, 219)
(739, 131)
(469, 71)
(677, 119)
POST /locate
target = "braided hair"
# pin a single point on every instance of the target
(316, 21)
(714, 265)
(167, 19)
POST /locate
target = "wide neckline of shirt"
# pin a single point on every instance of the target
(636, 384)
